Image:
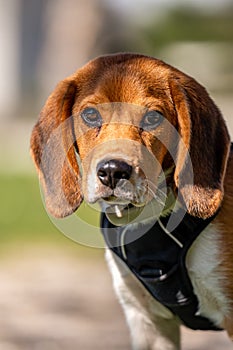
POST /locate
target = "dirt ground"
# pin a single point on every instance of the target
(52, 300)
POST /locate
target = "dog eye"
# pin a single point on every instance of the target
(151, 120)
(91, 117)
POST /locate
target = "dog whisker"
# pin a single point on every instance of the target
(157, 194)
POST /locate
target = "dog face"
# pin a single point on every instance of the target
(109, 131)
(120, 154)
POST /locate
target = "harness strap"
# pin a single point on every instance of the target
(157, 259)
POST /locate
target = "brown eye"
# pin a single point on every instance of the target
(91, 117)
(151, 120)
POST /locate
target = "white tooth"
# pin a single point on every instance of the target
(118, 212)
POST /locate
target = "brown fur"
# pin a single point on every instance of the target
(145, 82)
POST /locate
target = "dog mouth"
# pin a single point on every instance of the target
(121, 212)
(126, 204)
(130, 201)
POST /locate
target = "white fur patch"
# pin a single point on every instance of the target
(203, 267)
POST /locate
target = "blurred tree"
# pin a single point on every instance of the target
(118, 33)
(189, 24)
(31, 16)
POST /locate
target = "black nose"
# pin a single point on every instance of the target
(112, 171)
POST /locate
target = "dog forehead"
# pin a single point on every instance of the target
(133, 82)
(124, 78)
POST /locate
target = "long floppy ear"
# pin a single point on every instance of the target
(205, 137)
(52, 149)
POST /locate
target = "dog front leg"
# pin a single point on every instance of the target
(152, 326)
(147, 334)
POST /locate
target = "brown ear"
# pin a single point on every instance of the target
(205, 137)
(52, 149)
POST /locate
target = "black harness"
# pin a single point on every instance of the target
(159, 262)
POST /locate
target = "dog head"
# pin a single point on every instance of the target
(106, 133)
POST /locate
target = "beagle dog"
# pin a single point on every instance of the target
(147, 143)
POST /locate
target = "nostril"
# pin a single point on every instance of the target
(103, 176)
(102, 173)
(122, 175)
(111, 172)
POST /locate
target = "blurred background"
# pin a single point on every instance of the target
(54, 293)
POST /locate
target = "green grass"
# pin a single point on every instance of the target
(21, 210)
(23, 218)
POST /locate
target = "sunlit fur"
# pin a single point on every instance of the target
(128, 80)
